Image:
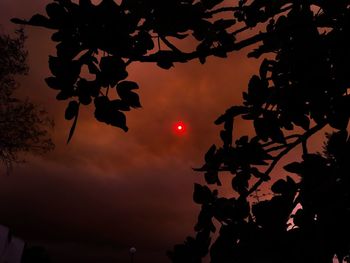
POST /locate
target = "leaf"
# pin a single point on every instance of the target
(212, 177)
(85, 98)
(105, 111)
(257, 91)
(72, 110)
(202, 194)
(19, 21)
(74, 125)
(226, 137)
(145, 41)
(120, 105)
(54, 83)
(65, 69)
(302, 121)
(164, 64)
(93, 69)
(124, 91)
(261, 129)
(55, 11)
(240, 182)
(279, 186)
(165, 59)
(127, 85)
(37, 20)
(264, 68)
(209, 4)
(57, 36)
(339, 120)
(64, 95)
(113, 69)
(220, 120)
(337, 144)
(284, 187)
(210, 154)
(294, 167)
(276, 134)
(118, 119)
(224, 23)
(230, 114)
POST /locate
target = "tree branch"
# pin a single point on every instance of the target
(170, 45)
(287, 138)
(220, 10)
(291, 146)
(276, 148)
(181, 57)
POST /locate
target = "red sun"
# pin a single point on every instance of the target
(179, 128)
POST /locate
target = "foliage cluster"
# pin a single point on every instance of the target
(301, 87)
(23, 125)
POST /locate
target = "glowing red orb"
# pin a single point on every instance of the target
(179, 128)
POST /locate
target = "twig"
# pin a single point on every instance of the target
(171, 46)
(239, 30)
(222, 9)
(287, 138)
(159, 47)
(276, 148)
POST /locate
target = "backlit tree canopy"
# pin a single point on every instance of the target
(23, 126)
(300, 88)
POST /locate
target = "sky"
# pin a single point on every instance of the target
(91, 200)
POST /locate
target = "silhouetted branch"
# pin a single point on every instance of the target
(170, 45)
(293, 136)
(291, 146)
(276, 148)
(221, 10)
(304, 145)
(240, 30)
(196, 54)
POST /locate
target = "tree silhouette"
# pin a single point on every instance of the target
(23, 125)
(301, 87)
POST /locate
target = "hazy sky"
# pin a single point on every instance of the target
(107, 190)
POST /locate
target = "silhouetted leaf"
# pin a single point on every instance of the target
(36, 20)
(210, 154)
(124, 90)
(72, 110)
(54, 83)
(211, 177)
(202, 194)
(287, 187)
(74, 125)
(112, 70)
(120, 105)
(240, 182)
(261, 129)
(55, 11)
(279, 187)
(106, 112)
(165, 59)
(294, 167)
(209, 4)
(224, 23)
